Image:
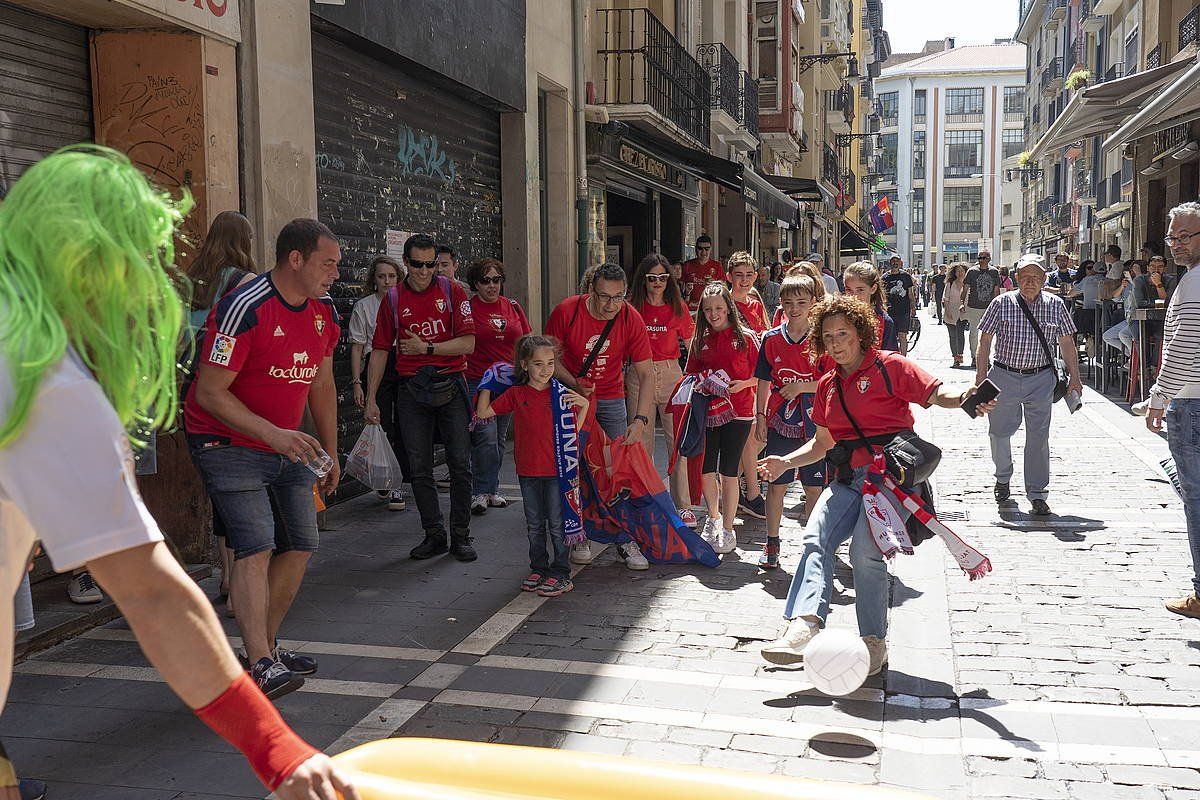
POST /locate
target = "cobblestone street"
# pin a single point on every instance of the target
(1060, 675)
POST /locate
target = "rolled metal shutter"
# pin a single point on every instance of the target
(45, 89)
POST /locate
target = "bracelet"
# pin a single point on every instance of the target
(356, 382)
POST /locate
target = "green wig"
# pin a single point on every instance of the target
(86, 260)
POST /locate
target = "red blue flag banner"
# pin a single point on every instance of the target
(881, 215)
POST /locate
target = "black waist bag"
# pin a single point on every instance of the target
(431, 388)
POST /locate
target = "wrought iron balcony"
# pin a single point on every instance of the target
(1154, 58)
(641, 63)
(803, 141)
(1115, 70)
(1052, 76)
(1061, 215)
(1056, 9)
(749, 103)
(723, 74)
(830, 170)
(1189, 27)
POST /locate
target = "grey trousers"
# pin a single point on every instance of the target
(1030, 397)
(973, 317)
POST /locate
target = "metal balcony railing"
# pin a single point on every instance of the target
(1083, 184)
(962, 171)
(1052, 76)
(803, 141)
(1060, 215)
(749, 103)
(1056, 9)
(1154, 58)
(1189, 28)
(642, 63)
(829, 166)
(1115, 70)
(723, 75)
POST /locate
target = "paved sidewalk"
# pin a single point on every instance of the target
(1058, 676)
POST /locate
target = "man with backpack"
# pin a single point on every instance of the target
(428, 319)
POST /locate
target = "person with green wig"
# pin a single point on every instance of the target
(90, 320)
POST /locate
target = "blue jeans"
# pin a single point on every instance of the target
(1183, 437)
(23, 617)
(245, 484)
(839, 516)
(543, 516)
(612, 416)
(417, 423)
(487, 450)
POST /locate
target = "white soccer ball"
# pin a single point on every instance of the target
(836, 661)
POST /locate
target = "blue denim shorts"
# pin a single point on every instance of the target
(265, 500)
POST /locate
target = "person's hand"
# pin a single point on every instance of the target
(585, 388)
(371, 414)
(633, 434)
(982, 408)
(741, 386)
(412, 345)
(577, 400)
(298, 446)
(772, 467)
(1075, 385)
(790, 391)
(760, 430)
(1156, 278)
(332, 478)
(1154, 419)
(316, 779)
(360, 398)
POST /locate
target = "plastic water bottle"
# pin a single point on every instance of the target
(322, 464)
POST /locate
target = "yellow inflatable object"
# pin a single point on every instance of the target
(440, 769)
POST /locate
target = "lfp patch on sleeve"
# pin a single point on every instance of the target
(222, 350)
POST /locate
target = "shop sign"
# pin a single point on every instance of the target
(650, 166)
(220, 17)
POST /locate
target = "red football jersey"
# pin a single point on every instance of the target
(276, 350)
(718, 352)
(440, 313)
(665, 328)
(534, 436)
(578, 331)
(753, 313)
(876, 410)
(698, 274)
(498, 325)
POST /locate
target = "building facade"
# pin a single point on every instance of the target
(949, 119)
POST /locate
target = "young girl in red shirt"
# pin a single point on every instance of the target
(743, 270)
(723, 342)
(529, 401)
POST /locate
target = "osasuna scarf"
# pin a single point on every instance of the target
(566, 462)
(888, 528)
(496, 380)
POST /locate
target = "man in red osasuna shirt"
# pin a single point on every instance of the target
(700, 272)
(268, 351)
(428, 317)
(578, 323)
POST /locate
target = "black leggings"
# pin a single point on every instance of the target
(724, 445)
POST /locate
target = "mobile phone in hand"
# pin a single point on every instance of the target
(986, 393)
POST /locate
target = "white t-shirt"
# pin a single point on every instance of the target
(73, 446)
(362, 320)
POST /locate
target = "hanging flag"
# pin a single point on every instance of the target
(881, 215)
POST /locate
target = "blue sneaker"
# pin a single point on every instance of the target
(274, 679)
(297, 663)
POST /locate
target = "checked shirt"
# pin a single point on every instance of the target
(1016, 345)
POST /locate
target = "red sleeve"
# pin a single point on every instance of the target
(637, 340)
(505, 403)
(721, 272)
(526, 328)
(686, 326)
(385, 328)
(751, 356)
(910, 382)
(464, 320)
(556, 325)
(227, 351)
(819, 408)
(334, 328)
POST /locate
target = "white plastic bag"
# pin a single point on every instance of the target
(373, 462)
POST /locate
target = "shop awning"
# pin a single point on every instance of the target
(799, 188)
(855, 241)
(766, 198)
(1175, 105)
(703, 165)
(1100, 109)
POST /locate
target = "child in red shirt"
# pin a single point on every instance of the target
(723, 342)
(743, 271)
(529, 401)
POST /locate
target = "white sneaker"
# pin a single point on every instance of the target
(581, 553)
(710, 532)
(632, 556)
(496, 500)
(789, 648)
(396, 501)
(479, 504)
(726, 542)
(877, 649)
(83, 590)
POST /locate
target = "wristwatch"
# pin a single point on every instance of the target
(429, 349)
(641, 418)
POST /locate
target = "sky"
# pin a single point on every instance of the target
(910, 23)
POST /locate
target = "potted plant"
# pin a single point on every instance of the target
(1023, 159)
(1078, 78)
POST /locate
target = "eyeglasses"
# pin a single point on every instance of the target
(495, 279)
(412, 264)
(1182, 238)
(608, 299)
(658, 277)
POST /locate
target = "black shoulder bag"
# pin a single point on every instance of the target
(910, 459)
(1060, 369)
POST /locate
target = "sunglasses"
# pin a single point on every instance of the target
(658, 277)
(413, 264)
(490, 281)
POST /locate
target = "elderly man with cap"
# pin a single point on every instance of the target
(818, 261)
(1025, 375)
